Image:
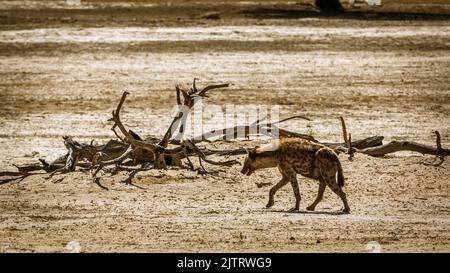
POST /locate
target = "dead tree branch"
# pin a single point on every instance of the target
(347, 139)
(185, 107)
(131, 153)
(395, 146)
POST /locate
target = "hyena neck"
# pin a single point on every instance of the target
(267, 159)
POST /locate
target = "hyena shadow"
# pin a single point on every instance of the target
(339, 212)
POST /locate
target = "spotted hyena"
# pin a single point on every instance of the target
(295, 156)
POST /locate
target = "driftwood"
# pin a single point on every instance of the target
(132, 153)
(393, 147)
(267, 129)
(129, 149)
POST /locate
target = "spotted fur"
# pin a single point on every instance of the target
(295, 156)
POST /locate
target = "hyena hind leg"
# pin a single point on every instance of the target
(343, 197)
(328, 174)
(322, 186)
(331, 182)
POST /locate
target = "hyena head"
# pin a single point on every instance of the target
(259, 158)
(249, 163)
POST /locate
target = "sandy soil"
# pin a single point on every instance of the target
(62, 71)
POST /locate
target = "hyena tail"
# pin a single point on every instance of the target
(340, 174)
(332, 158)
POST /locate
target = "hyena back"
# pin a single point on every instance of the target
(295, 156)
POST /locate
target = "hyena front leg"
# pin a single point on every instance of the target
(292, 176)
(284, 180)
(322, 186)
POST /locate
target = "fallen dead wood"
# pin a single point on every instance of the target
(189, 98)
(129, 149)
(132, 153)
(397, 146)
(257, 127)
(393, 147)
(358, 144)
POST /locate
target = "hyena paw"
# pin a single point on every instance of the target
(269, 204)
(294, 210)
(311, 208)
(346, 210)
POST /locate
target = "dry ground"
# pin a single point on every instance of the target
(63, 70)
